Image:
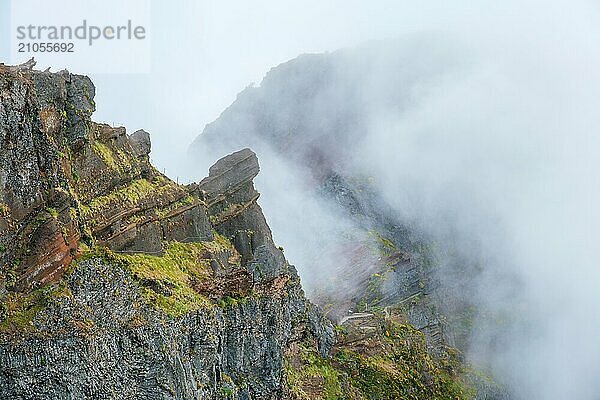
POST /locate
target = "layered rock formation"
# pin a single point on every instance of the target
(115, 282)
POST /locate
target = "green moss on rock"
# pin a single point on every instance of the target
(166, 281)
(4, 210)
(18, 310)
(186, 201)
(114, 158)
(392, 365)
(128, 196)
(104, 153)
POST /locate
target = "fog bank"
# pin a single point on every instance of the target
(485, 140)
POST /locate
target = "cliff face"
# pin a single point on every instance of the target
(115, 282)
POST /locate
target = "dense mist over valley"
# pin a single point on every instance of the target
(486, 151)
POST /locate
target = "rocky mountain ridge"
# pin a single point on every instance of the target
(118, 283)
(312, 113)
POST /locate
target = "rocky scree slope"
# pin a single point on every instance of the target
(117, 283)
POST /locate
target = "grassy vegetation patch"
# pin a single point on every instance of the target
(52, 211)
(130, 195)
(392, 366)
(102, 151)
(316, 379)
(184, 202)
(18, 310)
(166, 282)
(126, 197)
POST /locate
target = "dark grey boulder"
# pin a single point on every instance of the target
(140, 143)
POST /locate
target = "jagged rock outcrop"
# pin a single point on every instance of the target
(233, 210)
(140, 143)
(116, 282)
(39, 235)
(317, 115)
(66, 178)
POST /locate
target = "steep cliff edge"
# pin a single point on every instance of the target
(118, 283)
(115, 282)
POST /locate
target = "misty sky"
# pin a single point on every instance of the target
(205, 52)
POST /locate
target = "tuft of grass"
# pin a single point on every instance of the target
(75, 175)
(104, 153)
(52, 211)
(386, 244)
(4, 210)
